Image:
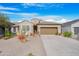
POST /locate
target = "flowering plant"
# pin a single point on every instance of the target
(21, 37)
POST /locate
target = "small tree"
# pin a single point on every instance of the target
(4, 21)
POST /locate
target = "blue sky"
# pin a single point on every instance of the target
(60, 12)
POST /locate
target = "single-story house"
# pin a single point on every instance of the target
(71, 26)
(37, 25)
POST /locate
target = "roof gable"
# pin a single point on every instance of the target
(70, 22)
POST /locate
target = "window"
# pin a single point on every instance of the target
(14, 29)
(76, 30)
(25, 28)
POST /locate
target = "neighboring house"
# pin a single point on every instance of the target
(72, 26)
(37, 25)
(2, 29)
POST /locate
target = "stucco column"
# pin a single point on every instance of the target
(12, 29)
(59, 29)
(72, 30)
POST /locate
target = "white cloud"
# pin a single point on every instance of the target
(43, 5)
(58, 21)
(56, 5)
(20, 14)
(7, 8)
(53, 18)
(6, 12)
(28, 16)
(26, 5)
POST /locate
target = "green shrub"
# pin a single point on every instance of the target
(8, 34)
(67, 34)
(30, 54)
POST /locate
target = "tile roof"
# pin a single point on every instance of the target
(47, 23)
(70, 22)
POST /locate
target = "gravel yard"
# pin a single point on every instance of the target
(13, 47)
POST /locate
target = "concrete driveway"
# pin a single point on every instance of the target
(60, 46)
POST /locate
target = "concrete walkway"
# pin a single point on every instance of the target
(60, 46)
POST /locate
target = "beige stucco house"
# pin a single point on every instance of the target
(36, 25)
(22, 27)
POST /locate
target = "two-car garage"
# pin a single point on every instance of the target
(48, 30)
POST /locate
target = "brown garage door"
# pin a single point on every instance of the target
(48, 30)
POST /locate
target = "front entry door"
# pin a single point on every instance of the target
(35, 28)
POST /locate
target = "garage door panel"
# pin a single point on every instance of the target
(48, 30)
